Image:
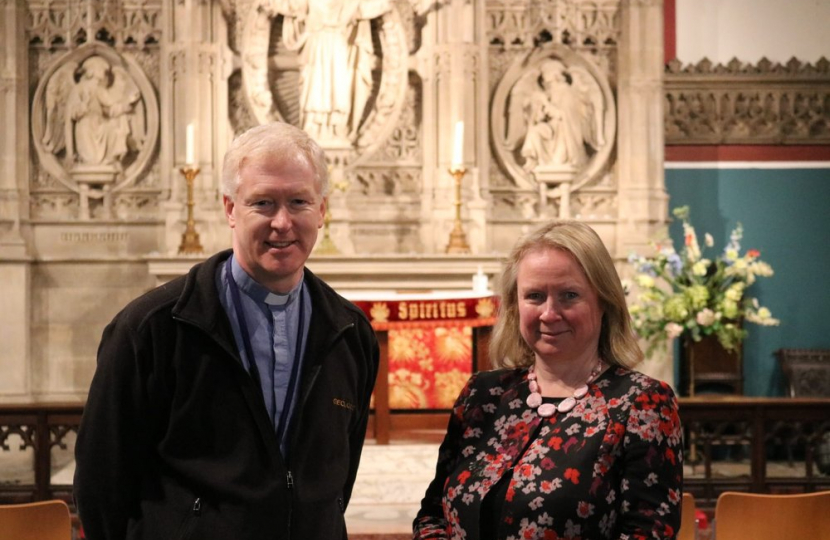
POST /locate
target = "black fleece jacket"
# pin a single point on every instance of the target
(175, 441)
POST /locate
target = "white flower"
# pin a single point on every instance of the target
(708, 240)
(705, 317)
(673, 330)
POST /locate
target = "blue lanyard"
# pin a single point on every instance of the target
(249, 350)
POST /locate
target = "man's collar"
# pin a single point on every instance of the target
(258, 292)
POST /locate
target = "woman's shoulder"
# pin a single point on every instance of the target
(495, 382)
(501, 376)
(625, 381)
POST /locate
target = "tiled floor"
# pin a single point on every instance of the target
(390, 483)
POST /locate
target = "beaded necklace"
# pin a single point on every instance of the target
(545, 410)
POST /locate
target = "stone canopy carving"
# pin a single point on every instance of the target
(338, 69)
(553, 110)
(741, 103)
(95, 120)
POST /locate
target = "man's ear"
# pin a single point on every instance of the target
(323, 205)
(229, 206)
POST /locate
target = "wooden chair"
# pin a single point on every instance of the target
(740, 516)
(45, 520)
(688, 523)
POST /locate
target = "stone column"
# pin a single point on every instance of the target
(15, 269)
(452, 73)
(194, 91)
(643, 202)
(642, 197)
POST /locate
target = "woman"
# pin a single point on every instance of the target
(565, 441)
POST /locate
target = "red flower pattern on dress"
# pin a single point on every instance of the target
(609, 468)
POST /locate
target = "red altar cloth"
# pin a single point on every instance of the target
(430, 344)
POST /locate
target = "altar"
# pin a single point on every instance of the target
(430, 344)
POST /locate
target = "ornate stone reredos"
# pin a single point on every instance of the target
(272, 81)
(531, 114)
(95, 94)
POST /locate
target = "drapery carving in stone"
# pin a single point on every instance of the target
(741, 103)
(352, 63)
(553, 109)
(98, 119)
(94, 120)
(335, 44)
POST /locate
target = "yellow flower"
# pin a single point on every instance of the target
(700, 267)
(676, 309)
(645, 281)
(735, 292)
(698, 296)
(730, 309)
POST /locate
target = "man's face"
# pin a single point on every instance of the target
(275, 216)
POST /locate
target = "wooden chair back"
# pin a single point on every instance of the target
(688, 525)
(739, 516)
(44, 520)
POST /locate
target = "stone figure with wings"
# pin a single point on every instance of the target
(555, 116)
(95, 112)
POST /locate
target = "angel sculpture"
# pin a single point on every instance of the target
(555, 116)
(335, 42)
(99, 119)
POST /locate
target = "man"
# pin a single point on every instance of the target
(233, 402)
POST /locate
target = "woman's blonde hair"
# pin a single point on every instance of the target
(617, 342)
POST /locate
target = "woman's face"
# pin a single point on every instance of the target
(560, 316)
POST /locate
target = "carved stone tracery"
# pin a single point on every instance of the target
(740, 103)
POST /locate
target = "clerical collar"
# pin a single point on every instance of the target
(259, 293)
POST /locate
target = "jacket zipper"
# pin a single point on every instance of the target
(190, 524)
(289, 480)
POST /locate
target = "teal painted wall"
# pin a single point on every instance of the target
(786, 216)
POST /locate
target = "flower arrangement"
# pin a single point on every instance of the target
(690, 293)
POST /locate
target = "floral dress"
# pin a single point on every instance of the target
(611, 467)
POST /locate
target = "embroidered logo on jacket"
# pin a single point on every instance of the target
(343, 403)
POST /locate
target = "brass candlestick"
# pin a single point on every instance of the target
(327, 245)
(458, 240)
(190, 239)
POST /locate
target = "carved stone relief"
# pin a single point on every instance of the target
(553, 110)
(741, 103)
(524, 33)
(95, 123)
(289, 53)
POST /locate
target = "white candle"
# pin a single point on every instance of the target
(480, 282)
(458, 146)
(189, 144)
